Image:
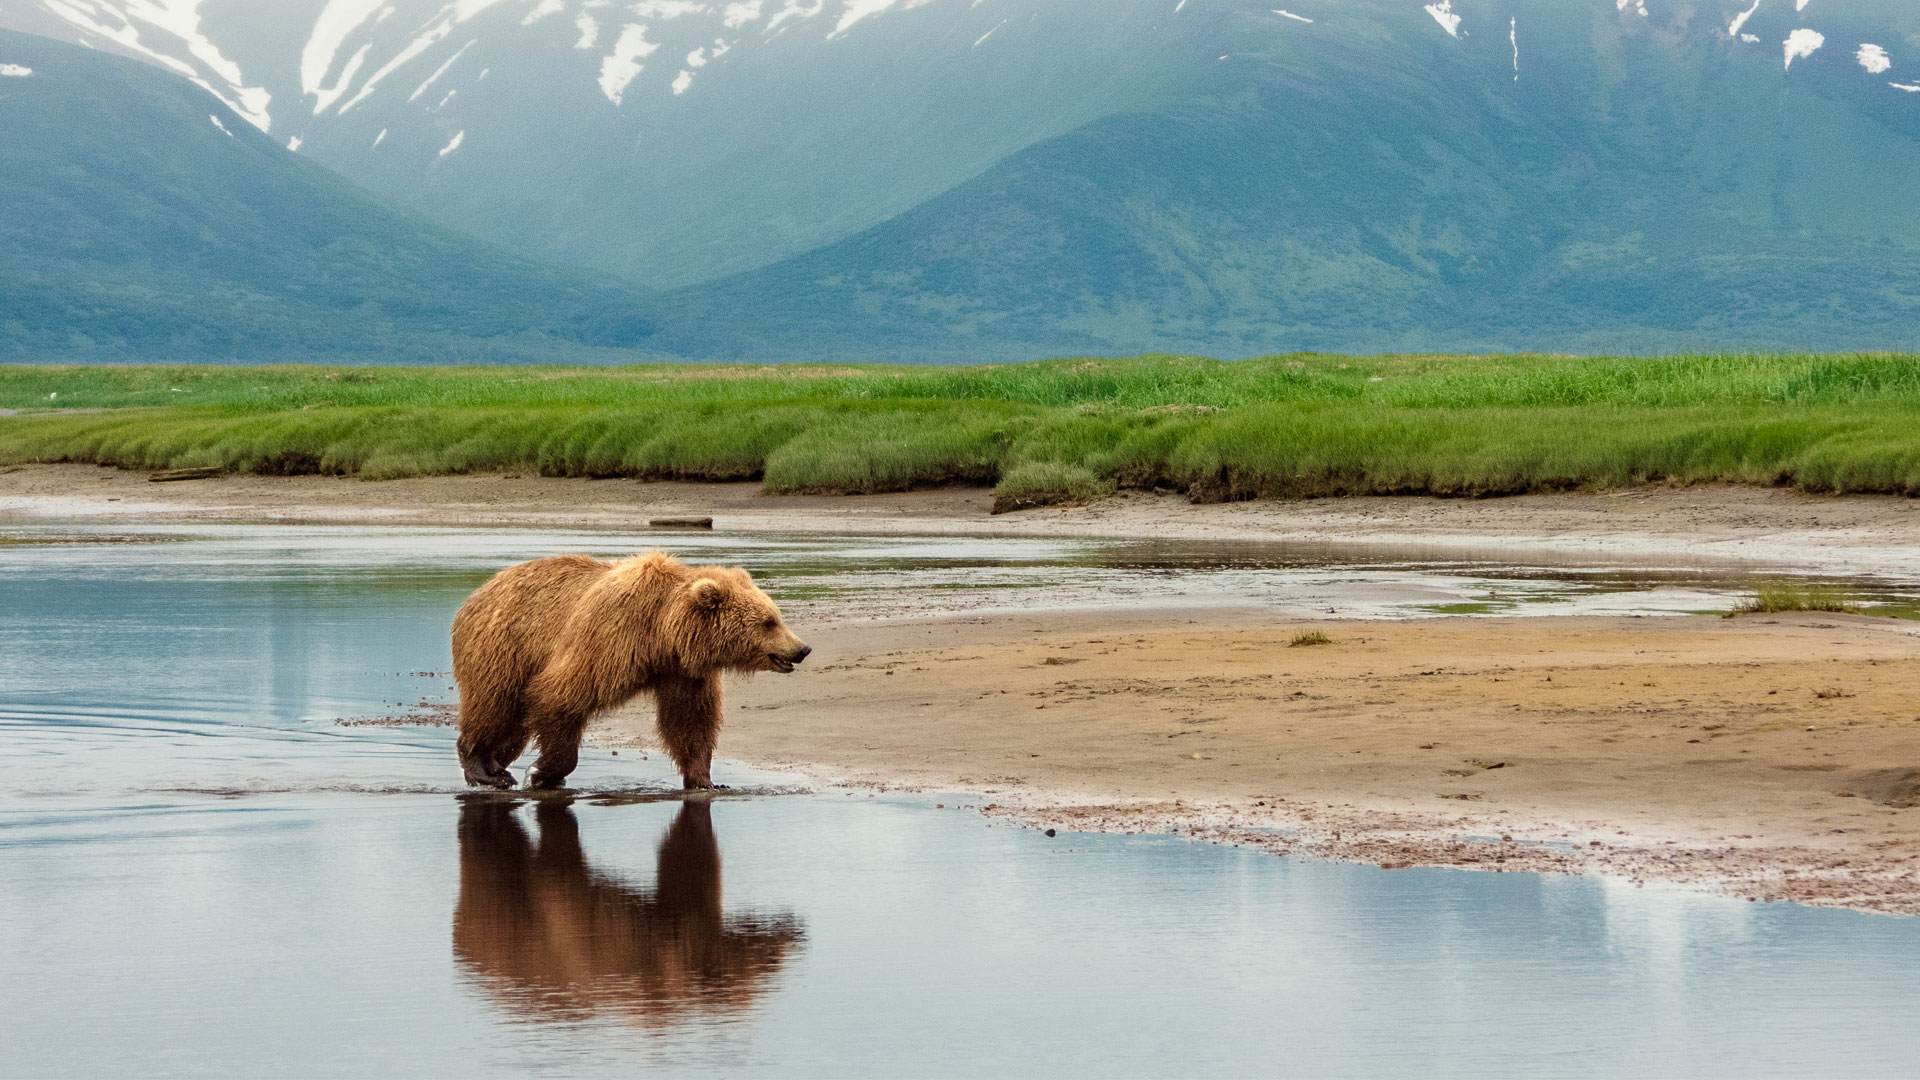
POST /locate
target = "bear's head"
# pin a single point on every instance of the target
(726, 622)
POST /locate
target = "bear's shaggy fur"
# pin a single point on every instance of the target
(543, 646)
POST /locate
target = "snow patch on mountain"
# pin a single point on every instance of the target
(352, 46)
(740, 14)
(1873, 58)
(620, 66)
(1802, 43)
(337, 20)
(1740, 20)
(458, 138)
(796, 10)
(441, 70)
(179, 20)
(325, 96)
(855, 10)
(14, 71)
(699, 58)
(669, 9)
(1442, 13)
(436, 30)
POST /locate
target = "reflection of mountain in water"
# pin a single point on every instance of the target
(553, 938)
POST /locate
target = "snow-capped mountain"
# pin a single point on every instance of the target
(667, 140)
(1005, 177)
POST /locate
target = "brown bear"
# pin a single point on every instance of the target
(543, 646)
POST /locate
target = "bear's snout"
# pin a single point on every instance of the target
(783, 662)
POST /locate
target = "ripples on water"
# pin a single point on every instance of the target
(201, 873)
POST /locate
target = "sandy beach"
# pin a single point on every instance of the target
(1770, 756)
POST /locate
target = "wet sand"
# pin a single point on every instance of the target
(1769, 756)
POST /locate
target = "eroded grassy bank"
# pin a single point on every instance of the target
(1041, 432)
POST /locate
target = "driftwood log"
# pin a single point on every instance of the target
(166, 475)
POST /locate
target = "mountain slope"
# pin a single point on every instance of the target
(141, 218)
(1005, 178)
(668, 141)
(1642, 185)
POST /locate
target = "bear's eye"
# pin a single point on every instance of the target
(769, 623)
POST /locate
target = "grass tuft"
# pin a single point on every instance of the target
(1773, 599)
(1048, 483)
(1309, 637)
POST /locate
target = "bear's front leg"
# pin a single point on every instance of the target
(492, 735)
(688, 713)
(485, 772)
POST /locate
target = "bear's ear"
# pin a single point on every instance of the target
(706, 594)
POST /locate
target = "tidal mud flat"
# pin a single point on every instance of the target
(1772, 757)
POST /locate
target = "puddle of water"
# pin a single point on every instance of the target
(201, 873)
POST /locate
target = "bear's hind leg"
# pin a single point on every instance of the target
(557, 728)
(558, 757)
(689, 714)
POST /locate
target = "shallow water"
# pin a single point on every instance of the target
(202, 873)
(833, 576)
(820, 935)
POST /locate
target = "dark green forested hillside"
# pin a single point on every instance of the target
(134, 226)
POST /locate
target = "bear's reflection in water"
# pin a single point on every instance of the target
(553, 938)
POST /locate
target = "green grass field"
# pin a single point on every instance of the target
(1051, 431)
